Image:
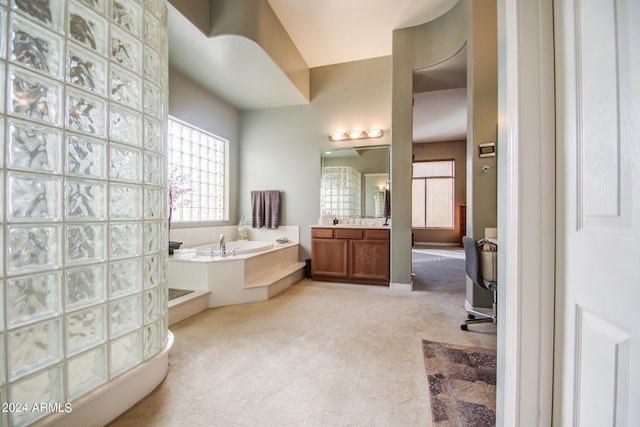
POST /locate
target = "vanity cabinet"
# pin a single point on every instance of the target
(354, 255)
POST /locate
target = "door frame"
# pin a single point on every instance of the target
(526, 212)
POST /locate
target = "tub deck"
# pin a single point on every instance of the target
(241, 278)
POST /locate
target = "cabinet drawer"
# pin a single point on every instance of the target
(348, 233)
(376, 234)
(322, 233)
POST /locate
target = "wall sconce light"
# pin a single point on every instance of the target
(355, 134)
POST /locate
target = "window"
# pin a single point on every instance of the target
(197, 162)
(340, 192)
(433, 191)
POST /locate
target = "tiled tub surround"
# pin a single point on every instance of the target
(242, 278)
(83, 279)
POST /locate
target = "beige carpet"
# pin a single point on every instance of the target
(318, 354)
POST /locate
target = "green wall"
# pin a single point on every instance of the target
(281, 147)
(194, 105)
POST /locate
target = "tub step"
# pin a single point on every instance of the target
(272, 278)
(188, 305)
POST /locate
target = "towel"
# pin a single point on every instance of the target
(272, 209)
(386, 210)
(257, 209)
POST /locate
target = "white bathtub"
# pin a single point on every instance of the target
(240, 247)
(258, 275)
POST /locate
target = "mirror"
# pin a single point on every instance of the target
(353, 182)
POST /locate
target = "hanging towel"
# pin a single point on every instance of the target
(257, 209)
(272, 209)
(386, 209)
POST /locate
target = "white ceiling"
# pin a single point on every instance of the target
(335, 31)
(325, 32)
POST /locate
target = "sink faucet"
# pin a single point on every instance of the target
(223, 246)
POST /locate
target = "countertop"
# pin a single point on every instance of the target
(387, 227)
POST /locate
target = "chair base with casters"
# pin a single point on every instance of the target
(473, 268)
(483, 318)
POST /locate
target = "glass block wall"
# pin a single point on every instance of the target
(340, 192)
(83, 280)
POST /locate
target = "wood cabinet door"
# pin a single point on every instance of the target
(369, 260)
(329, 257)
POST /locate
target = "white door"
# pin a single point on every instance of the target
(597, 364)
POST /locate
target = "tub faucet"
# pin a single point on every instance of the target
(223, 246)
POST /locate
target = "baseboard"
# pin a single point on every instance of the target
(445, 244)
(405, 287)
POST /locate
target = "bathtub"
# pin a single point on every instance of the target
(258, 271)
(240, 247)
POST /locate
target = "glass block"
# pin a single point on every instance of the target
(85, 286)
(34, 47)
(87, 371)
(164, 297)
(153, 203)
(125, 163)
(151, 271)
(86, 329)
(125, 278)
(125, 50)
(33, 197)
(85, 243)
(2, 378)
(99, 6)
(49, 13)
(153, 342)
(164, 263)
(3, 25)
(152, 134)
(2, 88)
(86, 157)
(125, 202)
(126, 352)
(33, 347)
(127, 14)
(153, 169)
(164, 78)
(86, 70)
(151, 100)
(34, 97)
(33, 298)
(1, 263)
(125, 240)
(125, 126)
(34, 147)
(152, 237)
(126, 87)
(85, 200)
(86, 113)
(164, 235)
(125, 315)
(88, 28)
(32, 248)
(151, 31)
(2, 137)
(152, 64)
(43, 387)
(152, 305)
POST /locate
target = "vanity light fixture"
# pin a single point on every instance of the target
(355, 134)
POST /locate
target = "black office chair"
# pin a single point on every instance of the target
(473, 266)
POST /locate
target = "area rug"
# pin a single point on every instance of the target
(462, 384)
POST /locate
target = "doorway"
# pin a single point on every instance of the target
(439, 151)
